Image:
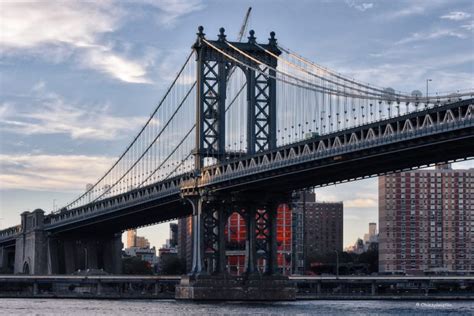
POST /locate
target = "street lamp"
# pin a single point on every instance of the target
(427, 80)
(337, 263)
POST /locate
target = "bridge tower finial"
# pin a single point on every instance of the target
(200, 32)
(222, 35)
(200, 36)
(272, 40)
(252, 38)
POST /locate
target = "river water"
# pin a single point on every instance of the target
(170, 307)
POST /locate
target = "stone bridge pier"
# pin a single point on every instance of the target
(209, 279)
(38, 251)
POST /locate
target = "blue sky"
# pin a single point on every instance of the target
(79, 78)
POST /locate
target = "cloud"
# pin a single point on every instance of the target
(364, 6)
(71, 29)
(71, 22)
(456, 16)
(172, 10)
(411, 8)
(469, 26)
(361, 203)
(52, 114)
(118, 67)
(51, 172)
(425, 36)
(419, 68)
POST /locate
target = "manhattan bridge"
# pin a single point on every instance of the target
(242, 125)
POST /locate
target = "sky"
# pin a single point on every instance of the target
(79, 78)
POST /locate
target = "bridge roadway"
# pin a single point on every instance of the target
(432, 135)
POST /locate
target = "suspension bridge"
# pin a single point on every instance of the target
(240, 127)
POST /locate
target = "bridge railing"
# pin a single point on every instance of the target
(154, 191)
(9, 232)
(339, 143)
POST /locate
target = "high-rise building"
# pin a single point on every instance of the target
(131, 238)
(136, 241)
(184, 246)
(300, 199)
(317, 228)
(173, 241)
(141, 242)
(372, 229)
(426, 220)
(371, 236)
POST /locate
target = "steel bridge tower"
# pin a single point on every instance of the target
(208, 278)
(213, 71)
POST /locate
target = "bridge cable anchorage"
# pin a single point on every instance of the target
(137, 136)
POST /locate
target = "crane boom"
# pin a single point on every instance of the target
(244, 25)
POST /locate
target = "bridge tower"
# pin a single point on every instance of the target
(213, 71)
(211, 210)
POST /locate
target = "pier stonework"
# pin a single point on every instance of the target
(30, 248)
(38, 252)
(231, 288)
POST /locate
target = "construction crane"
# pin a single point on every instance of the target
(243, 28)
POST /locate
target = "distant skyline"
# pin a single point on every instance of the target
(78, 79)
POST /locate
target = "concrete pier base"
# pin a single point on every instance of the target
(228, 288)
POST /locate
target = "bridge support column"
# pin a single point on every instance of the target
(221, 257)
(30, 247)
(272, 263)
(251, 240)
(197, 231)
(214, 283)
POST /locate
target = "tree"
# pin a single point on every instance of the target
(135, 265)
(171, 265)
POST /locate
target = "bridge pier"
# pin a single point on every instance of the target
(209, 279)
(30, 249)
(39, 252)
